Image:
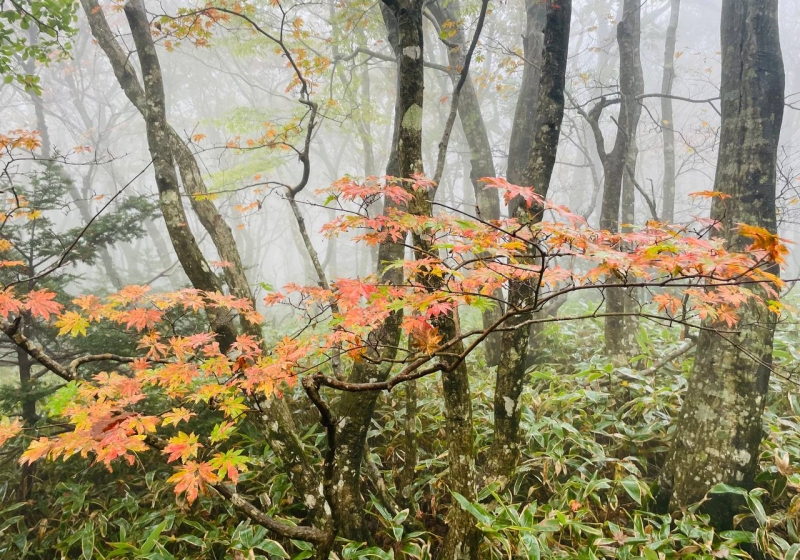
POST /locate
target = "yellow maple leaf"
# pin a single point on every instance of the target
(72, 323)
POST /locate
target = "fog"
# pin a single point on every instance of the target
(230, 97)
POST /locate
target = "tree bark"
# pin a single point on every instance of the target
(487, 201)
(667, 117)
(152, 100)
(538, 172)
(719, 432)
(355, 410)
(522, 133)
(617, 163)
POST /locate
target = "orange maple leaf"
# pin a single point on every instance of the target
(193, 477)
(183, 446)
(764, 240)
(40, 303)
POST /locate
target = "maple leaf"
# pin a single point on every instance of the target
(668, 302)
(191, 478)
(37, 449)
(8, 303)
(229, 464)
(710, 194)
(176, 416)
(765, 241)
(129, 294)
(233, 406)
(183, 446)
(140, 319)
(9, 429)
(510, 192)
(40, 303)
(425, 338)
(222, 431)
(72, 323)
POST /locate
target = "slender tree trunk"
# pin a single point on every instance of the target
(522, 133)
(480, 148)
(719, 433)
(538, 172)
(355, 410)
(617, 162)
(667, 118)
(165, 145)
(183, 241)
(29, 416)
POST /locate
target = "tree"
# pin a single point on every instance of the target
(537, 174)
(667, 117)
(719, 428)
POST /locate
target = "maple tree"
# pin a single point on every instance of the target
(112, 419)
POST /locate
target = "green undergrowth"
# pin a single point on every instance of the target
(596, 436)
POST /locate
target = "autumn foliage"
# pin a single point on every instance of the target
(689, 274)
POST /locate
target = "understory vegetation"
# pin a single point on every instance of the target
(596, 437)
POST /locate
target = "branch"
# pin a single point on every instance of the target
(35, 351)
(678, 352)
(388, 58)
(301, 533)
(650, 202)
(451, 118)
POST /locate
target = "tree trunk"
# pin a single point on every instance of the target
(617, 162)
(355, 410)
(522, 133)
(541, 161)
(150, 102)
(29, 416)
(667, 118)
(480, 149)
(152, 97)
(719, 427)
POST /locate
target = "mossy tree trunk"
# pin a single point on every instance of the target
(538, 171)
(355, 410)
(719, 427)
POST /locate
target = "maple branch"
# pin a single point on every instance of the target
(239, 502)
(311, 385)
(77, 362)
(35, 351)
(650, 202)
(298, 532)
(388, 58)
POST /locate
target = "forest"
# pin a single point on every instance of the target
(399, 279)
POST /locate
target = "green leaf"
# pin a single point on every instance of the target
(153, 537)
(757, 508)
(191, 539)
(532, 546)
(631, 486)
(273, 549)
(477, 510)
(87, 541)
(726, 489)
(793, 553)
